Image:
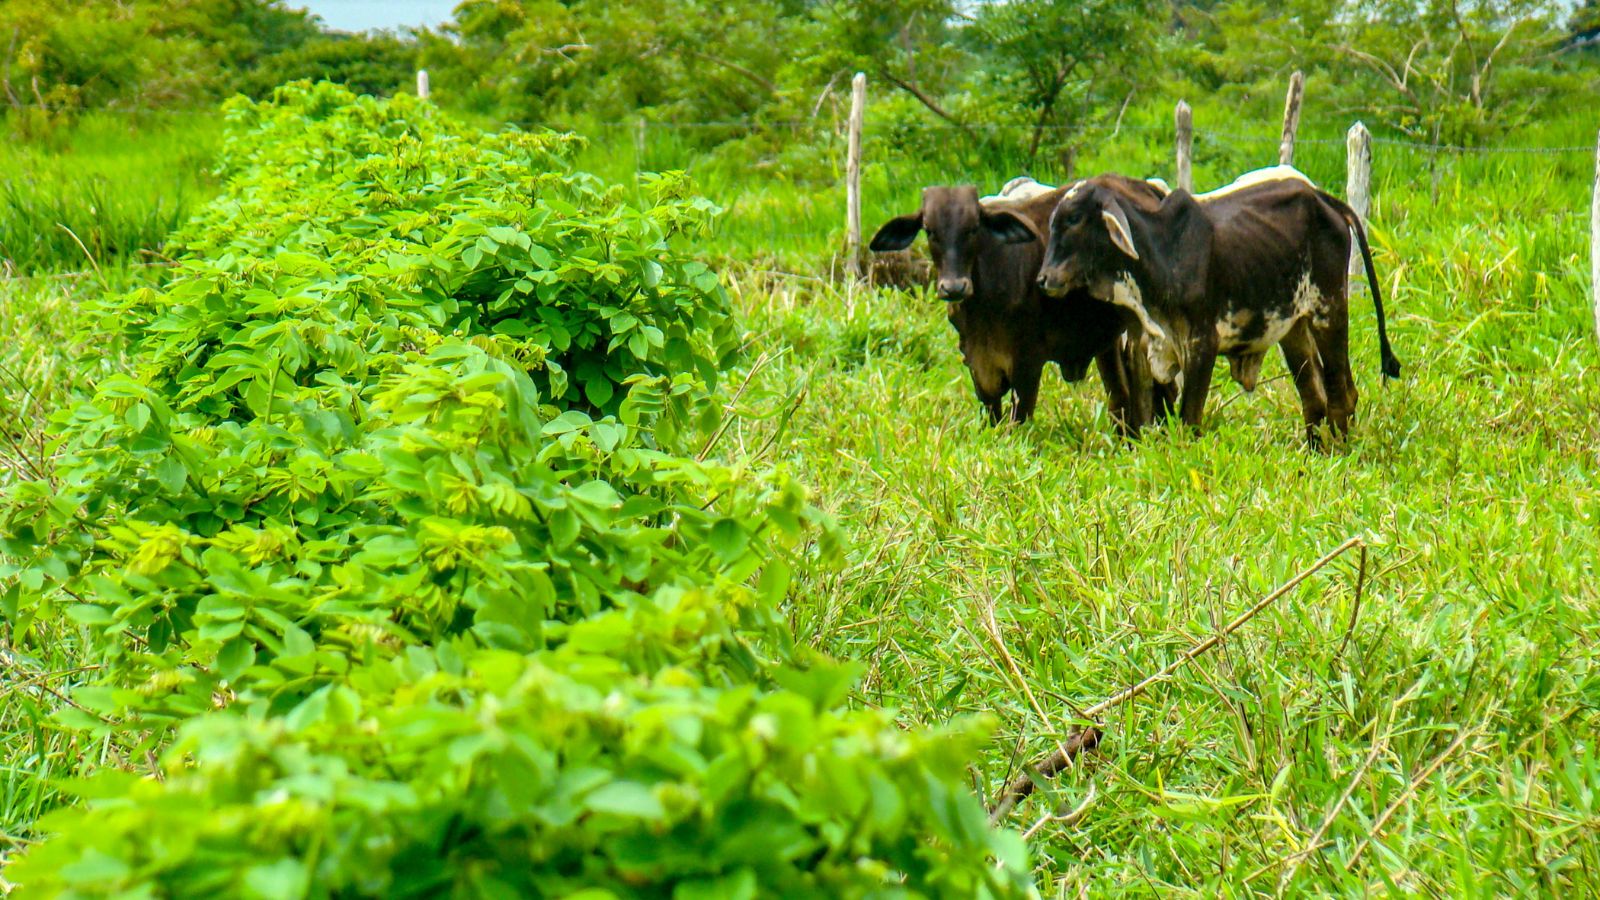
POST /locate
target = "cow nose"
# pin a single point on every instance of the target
(1044, 283)
(955, 288)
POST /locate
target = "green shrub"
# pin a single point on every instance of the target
(369, 64)
(505, 775)
(394, 524)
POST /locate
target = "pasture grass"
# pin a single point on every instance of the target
(1426, 719)
(1448, 688)
(46, 358)
(103, 191)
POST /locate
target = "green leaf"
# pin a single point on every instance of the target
(235, 657)
(283, 879)
(626, 798)
(737, 885)
(171, 474)
(89, 614)
(95, 868)
(728, 538)
(599, 390)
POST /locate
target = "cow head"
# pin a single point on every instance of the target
(957, 226)
(1090, 243)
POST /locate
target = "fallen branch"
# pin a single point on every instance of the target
(1405, 795)
(1088, 738)
(1361, 583)
(1020, 787)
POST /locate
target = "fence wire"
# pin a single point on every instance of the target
(978, 128)
(1087, 132)
(826, 130)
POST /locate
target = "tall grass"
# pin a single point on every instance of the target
(782, 186)
(46, 356)
(1423, 724)
(104, 190)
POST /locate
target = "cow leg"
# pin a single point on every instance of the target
(1202, 358)
(1114, 375)
(1025, 390)
(1300, 354)
(1148, 400)
(1332, 336)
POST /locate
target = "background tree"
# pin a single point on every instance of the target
(1058, 61)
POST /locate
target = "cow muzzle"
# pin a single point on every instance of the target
(952, 290)
(1053, 282)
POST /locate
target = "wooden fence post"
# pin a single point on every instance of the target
(852, 176)
(1185, 122)
(422, 83)
(1291, 118)
(1358, 181)
(1594, 242)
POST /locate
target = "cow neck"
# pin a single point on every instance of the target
(993, 252)
(1162, 272)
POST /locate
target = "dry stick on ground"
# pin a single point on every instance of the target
(1088, 738)
(993, 628)
(1391, 809)
(1379, 743)
(1064, 819)
(1361, 583)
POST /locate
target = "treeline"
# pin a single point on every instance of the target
(57, 59)
(1045, 71)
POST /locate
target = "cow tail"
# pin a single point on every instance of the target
(1391, 366)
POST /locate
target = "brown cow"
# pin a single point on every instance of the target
(1008, 329)
(1261, 262)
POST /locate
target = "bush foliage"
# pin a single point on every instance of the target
(396, 553)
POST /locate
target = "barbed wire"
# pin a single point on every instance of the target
(975, 127)
(1090, 131)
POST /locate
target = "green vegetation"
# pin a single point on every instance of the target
(1473, 481)
(108, 127)
(57, 60)
(485, 512)
(105, 192)
(391, 544)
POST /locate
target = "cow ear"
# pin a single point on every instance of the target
(1008, 228)
(897, 233)
(1117, 223)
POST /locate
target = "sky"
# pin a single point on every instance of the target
(359, 15)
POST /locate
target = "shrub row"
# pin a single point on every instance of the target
(395, 556)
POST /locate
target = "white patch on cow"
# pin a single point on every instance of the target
(1235, 324)
(1259, 176)
(1160, 184)
(1165, 360)
(1309, 302)
(1231, 328)
(1016, 191)
(1024, 188)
